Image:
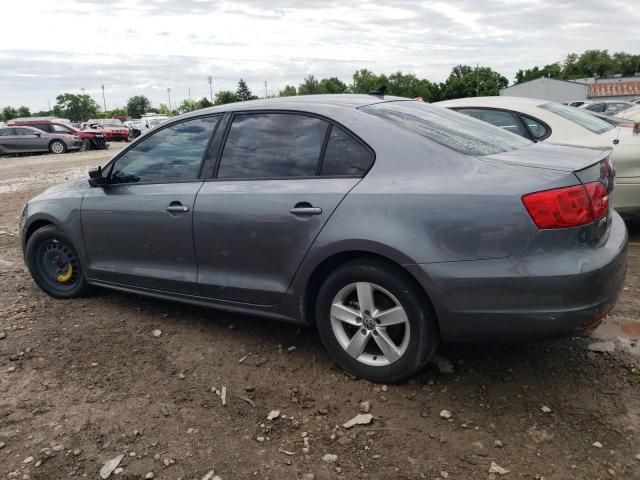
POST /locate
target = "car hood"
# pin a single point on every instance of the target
(553, 157)
(63, 190)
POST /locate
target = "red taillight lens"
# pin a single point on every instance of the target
(568, 206)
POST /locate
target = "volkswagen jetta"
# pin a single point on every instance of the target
(389, 224)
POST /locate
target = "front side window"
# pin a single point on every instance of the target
(169, 155)
(585, 120)
(451, 129)
(272, 145)
(505, 120)
(345, 155)
(597, 107)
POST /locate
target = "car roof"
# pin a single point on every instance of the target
(493, 102)
(301, 102)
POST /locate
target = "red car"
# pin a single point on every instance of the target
(114, 130)
(91, 139)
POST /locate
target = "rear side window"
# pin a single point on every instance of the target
(451, 129)
(505, 120)
(24, 131)
(168, 155)
(5, 132)
(345, 155)
(537, 129)
(59, 129)
(45, 127)
(272, 145)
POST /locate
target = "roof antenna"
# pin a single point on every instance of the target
(380, 92)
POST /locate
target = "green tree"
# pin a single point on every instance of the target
(243, 93)
(553, 70)
(138, 105)
(288, 91)
(225, 96)
(76, 107)
(24, 111)
(188, 106)
(365, 81)
(9, 113)
(204, 103)
(309, 86)
(332, 85)
(163, 109)
(465, 81)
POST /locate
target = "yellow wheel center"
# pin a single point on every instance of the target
(66, 276)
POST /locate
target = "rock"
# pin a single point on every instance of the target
(308, 476)
(2, 445)
(498, 444)
(118, 471)
(446, 414)
(260, 439)
(156, 333)
(360, 419)
(58, 448)
(365, 406)
(28, 460)
(77, 452)
(330, 458)
(11, 369)
(182, 376)
(539, 436)
(596, 445)
(149, 475)
(545, 409)
(384, 388)
(164, 410)
(3, 335)
(109, 466)
(168, 461)
(602, 347)
(273, 414)
(444, 474)
(223, 395)
(637, 455)
(209, 475)
(444, 366)
(495, 468)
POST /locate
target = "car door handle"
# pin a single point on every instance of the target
(177, 208)
(305, 211)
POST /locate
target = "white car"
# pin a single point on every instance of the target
(541, 120)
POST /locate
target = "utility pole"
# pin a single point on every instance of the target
(49, 101)
(82, 106)
(169, 93)
(265, 89)
(189, 94)
(210, 80)
(477, 80)
(104, 101)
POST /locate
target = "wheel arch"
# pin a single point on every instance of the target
(57, 140)
(329, 264)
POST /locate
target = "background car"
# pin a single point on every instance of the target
(114, 129)
(91, 139)
(607, 107)
(17, 139)
(541, 120)
(388, 224)
(615, 121)
(576, 103)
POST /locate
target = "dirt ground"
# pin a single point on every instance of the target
(83, 381)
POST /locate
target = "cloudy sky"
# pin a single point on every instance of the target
(144, 46)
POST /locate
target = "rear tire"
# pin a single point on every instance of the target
(57, 147)
(375, 321)
(54, 264)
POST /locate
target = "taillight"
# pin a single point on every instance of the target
(568, 206)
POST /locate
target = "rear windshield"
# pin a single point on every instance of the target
(585, 120)
(451, 129)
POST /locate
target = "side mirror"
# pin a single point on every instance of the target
(37, 134)
(95, 177)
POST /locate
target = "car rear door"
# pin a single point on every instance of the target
(278, 179)
(138, 228)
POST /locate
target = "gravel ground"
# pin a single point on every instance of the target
(84, 381)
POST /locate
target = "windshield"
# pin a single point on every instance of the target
(451, 129)
(112, 123)
(585, 120)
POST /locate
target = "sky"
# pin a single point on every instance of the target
(143, 47)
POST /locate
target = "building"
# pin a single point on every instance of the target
(613, 88)
(550, 89)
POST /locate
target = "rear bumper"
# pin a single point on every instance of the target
(549, 289)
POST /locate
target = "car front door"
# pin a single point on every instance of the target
(138, 227)
(30, 140)
(280, 177)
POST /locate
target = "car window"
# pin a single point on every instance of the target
(585, 120)
(24, 131)
(537, 129)
(171, 154)
(5, 132)
(597, 107)
(451, 129)
(59, 128)
(505, 120)
(267, 145)
(617, 107)
(345, 155)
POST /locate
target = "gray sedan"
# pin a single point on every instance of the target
(387, 224)
(30, 140)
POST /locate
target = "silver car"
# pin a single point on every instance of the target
(388, 224)
(25, 139)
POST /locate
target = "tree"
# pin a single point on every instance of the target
(163, 109)
(243, 93)
(225, 96)
(553, 70)
(138, 105)
(465, 81)
(309, 86)
(332, 85)
(24, 112)
(9, 113)
(288, 91)
(76, 107)
(365, 81)
(204, 103)
(188, 106)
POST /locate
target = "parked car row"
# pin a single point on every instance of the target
(388, 224)
(26, 139)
